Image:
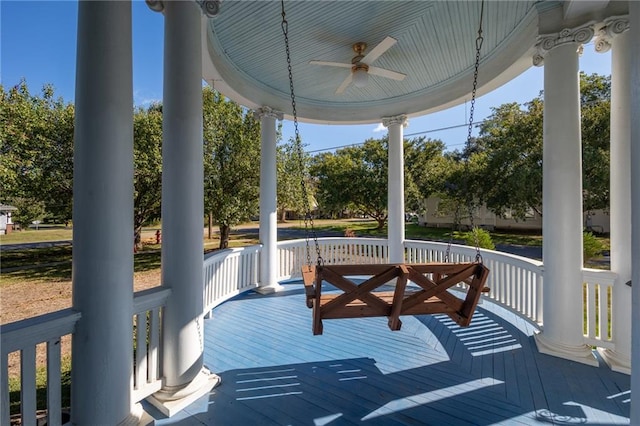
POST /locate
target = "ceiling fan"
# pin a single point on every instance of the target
(361, 65)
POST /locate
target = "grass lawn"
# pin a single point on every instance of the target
(363, 227)
(37, 235)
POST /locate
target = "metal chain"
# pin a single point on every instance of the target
(308, 218)
(456, 219)
(479, 41)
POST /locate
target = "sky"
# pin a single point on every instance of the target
(38, 43)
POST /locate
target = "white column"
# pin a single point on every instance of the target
(185, 379)
(634, 53)
(615, 35)
(395, 190)
(103, 215)
(562, 206)
(268, 201)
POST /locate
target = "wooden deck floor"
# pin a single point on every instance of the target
(432, 372)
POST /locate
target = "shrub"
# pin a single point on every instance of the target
(480, 235)
(591, 246)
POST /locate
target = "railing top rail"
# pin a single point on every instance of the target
(150, 298)
(291, 243)
(599, 274)
(41, 329)
(221, 254)
(471, 251)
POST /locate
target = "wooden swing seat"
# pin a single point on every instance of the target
(431, 295)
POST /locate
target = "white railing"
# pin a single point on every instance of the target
(229, 273)
(514, 281)
(292, 254)
(24, 336)
(597, 294)
(147, 319)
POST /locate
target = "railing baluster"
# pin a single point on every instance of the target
(4, 389)
(141, 351)
(28, 385)
(154, 344)
(54, 383)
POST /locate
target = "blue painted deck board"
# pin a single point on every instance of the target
(432, 372)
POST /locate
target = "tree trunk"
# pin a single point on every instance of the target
(381, 221)
(137, 237)
(210, 228)
(283, 215)
(225, 230)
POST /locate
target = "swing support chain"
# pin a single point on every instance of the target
(478, 45)
(308, 217)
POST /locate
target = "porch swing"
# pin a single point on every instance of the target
(428, 292)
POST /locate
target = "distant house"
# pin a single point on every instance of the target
(436, 216)
(6, 224)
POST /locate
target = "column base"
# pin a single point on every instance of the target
(137, 417)
(171, 401)
(581, 353)
(616, 361)
(269, 289)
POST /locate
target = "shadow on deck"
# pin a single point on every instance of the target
(432, 372)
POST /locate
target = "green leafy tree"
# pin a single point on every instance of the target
(596, 106)
(512, 141)
(231, 163)
(37, 149)
(356, 178)
(147, 152)
(29, 210)
(425, 170)
(290, 193)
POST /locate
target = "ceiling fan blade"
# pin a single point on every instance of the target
(394, 75)
(344, 84)
(331, 64)
(382, 47)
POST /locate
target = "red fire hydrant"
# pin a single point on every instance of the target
(158, 237)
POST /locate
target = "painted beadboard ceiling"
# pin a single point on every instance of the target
(246, 57)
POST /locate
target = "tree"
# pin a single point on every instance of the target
(231, 162)
(355, 177)
(511, 140)
(512, 176)
(147, 154)
(595, 93)
(425, 169)
(289, 165)
(37, 149)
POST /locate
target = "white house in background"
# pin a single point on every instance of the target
(436, 215)
(6, 224)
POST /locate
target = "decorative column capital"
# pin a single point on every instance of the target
(396, 119)
(266, 111)
(155, 5)
(547, 42)
(613, 27)
(210, 8)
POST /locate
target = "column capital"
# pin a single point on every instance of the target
(396, 119)
(210, 8)
(155, 5)
(612, 27)
(547, 42)
(266, 111)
